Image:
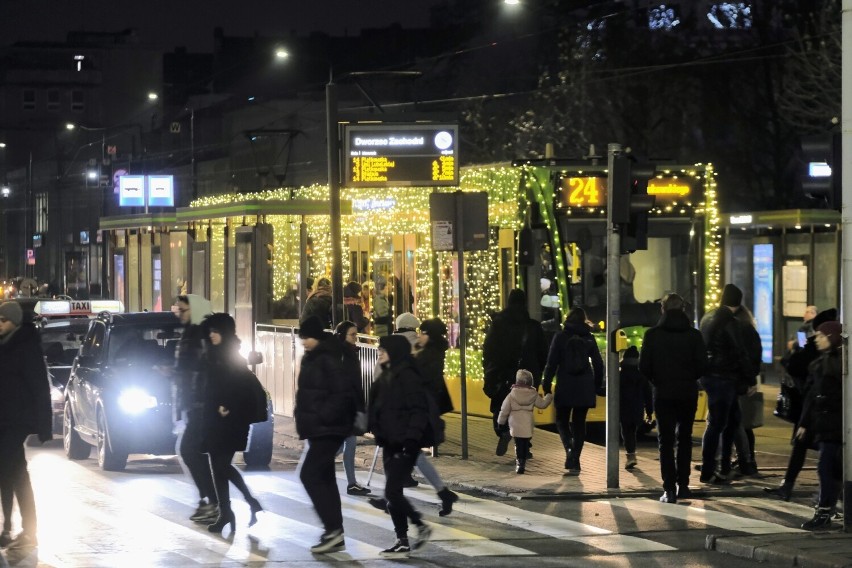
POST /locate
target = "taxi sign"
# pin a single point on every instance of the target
(77, 307)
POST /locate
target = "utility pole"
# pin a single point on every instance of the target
(613, 316)
(846, 254)
(333, 144)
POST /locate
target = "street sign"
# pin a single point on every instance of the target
(401, 154)
(31, 257)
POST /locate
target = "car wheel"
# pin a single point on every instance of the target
(108, 458)
(75, 447)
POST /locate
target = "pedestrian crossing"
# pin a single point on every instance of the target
(141, 520)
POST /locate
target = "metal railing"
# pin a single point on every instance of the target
(282, 352)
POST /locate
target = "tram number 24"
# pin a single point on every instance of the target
(585, 192)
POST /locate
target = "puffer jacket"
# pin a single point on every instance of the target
(673, 357)
(326, 399)
(24, 385)
(517, 410)
(573, 390)
(727, 352)
(430, 363)
(227, 377)
(399, 409)
(189, 382)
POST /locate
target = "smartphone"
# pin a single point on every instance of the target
(802, 337)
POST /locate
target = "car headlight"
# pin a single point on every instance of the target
(136, 401)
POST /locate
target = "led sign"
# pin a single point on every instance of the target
(154, 191)
(592, 191)
(402, 154)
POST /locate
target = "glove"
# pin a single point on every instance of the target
(411, 447)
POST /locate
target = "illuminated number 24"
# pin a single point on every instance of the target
(584, 191)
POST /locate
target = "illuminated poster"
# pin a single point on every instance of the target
(131, 191)
(161, 191)
(762, 257)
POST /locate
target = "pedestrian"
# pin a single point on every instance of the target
(401, 424)
(730, 372)
(353, 307)
(635, 402)
(744, 437)
(823, 416)
(514, 341)
(673, 358)
(25, 409)
(797, 367)
(319, 303)
(407, 324)
(381, 311)
(347, 333)
(576, 361)
(326, 403)
(517, 411)
(229, 406)
(189, 403)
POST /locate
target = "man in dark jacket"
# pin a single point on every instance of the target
(319, 304)
(515, 341)
(192, 309)
(673, 358)
(730, 372)
(24, 409)
(326, 401)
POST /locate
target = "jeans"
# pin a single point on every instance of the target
(429, 472)
(723, 421)
(189, 447)
(318, 477)
(398, 467)
(628, 434)
(348, 449)
(674, 427)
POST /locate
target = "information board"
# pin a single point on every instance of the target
(401, 154)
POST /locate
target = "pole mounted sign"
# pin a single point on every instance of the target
(401, 154)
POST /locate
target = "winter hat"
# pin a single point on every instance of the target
(352, 290)
(397, 347)
(824, 316)
(731, 296)
(631, 356)
(523, 377)
(831, 329)
(12, 312)
(222, 323)
(433, 328)
(407, 322)
(517, 297)
(312, 327)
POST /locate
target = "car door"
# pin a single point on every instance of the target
(86, 377)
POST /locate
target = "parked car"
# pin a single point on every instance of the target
(119, 394)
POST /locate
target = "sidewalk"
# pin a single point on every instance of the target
(484, 472)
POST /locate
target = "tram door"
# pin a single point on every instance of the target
(506, 268)
(391, 260)
(359, 258)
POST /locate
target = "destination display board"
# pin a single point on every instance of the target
(592, 191)
(401, 154)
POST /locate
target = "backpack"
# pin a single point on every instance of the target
(259, 397)
(576, 359)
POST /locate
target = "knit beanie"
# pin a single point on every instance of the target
(824, 316)
(517, 297)
(731, 296)
(397, 347)
(311, 327)
(433, 328)
(631, 356)
(407, 321)
(12, 312)
(830, 329)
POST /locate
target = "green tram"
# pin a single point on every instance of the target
(547, 235)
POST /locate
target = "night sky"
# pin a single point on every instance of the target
(170, 23)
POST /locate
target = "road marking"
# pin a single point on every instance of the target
(698, 515)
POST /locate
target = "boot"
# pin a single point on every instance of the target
(631, 461)
(521, 466)
(785, 491)
(821, 520)
(226, 517)
(255, 507)
(447, 499)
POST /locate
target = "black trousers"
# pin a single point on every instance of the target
(675, 419)
(522, 448)
(571, 424)
(223, 472)
(15, 479)
(318, 477)
(196, 462)
(398, 467)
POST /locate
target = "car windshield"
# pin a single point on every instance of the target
(143, 344)
(61, 343)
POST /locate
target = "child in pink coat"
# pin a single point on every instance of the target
(517, 410)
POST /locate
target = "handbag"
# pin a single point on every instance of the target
(788, 403)
(751, 407)
(360, 425)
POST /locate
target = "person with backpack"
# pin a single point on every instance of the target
(514, 341)
(326, 403)
(576, 361)
(230, 407)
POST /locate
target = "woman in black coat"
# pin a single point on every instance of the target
(576, 361)
(228, 411)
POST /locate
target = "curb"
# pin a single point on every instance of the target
(773, 550)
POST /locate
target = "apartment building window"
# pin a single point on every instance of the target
(53, 99)
(78, 101)
(41, 212)
(28, 99)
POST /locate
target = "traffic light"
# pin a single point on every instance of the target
(631, 202)
(820, 168)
